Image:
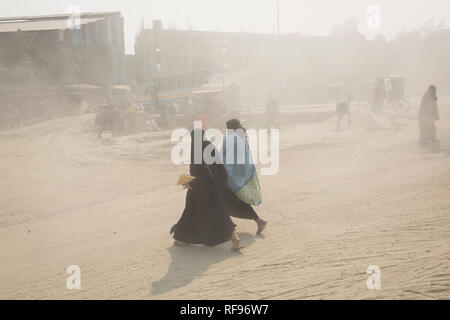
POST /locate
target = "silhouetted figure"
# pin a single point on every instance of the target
(164, 115)
(343, 109)
(379, 95)
(428, 114)
(272, 109)
(107, 119)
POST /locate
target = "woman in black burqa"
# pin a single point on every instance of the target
(205, 219)
(428, 114)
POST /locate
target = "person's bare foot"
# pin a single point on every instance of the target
(236, 245)
(261, 226)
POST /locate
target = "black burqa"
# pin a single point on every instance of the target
(205, 220)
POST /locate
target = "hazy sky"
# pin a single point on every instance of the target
(314, 17)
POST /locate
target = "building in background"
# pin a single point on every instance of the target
(300, 69)
(59, 64)
(174, 60)
(296, 67)
(63, 48)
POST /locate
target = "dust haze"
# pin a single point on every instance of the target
(91, 93)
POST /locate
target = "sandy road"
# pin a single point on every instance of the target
(342, 200)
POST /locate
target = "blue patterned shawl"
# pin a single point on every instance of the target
(242, 176)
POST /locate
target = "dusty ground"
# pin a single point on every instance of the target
(342, 200)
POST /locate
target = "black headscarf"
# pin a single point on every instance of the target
(234, 124)
(216, 171)
(431, 93)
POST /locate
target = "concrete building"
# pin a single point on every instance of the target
(297, 67)
(94, 42)
(176, 59)
(300, 69)
(52, 65)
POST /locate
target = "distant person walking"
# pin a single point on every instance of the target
(107, 119)
(164, 115)
(379, 95)
(343, 109)
(428, 114)
(272, 110)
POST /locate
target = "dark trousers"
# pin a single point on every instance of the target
(238, 208)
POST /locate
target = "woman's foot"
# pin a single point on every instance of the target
(261, 225)
(236, 245)
(236, 242)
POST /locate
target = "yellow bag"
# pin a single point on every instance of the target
(184, 178)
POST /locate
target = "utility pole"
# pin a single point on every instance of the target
(278, 18)
(278, 57)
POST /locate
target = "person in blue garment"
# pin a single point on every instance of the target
(243, 189)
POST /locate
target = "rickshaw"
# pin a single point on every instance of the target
(395, 92)
(127, 110)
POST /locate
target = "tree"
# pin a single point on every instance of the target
(347, 30)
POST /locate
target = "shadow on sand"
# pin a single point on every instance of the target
(187, 263)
